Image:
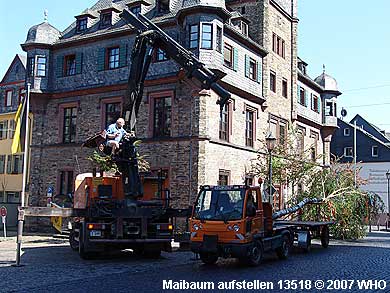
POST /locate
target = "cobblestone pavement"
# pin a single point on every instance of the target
(51, 266)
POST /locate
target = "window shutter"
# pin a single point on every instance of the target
(101, 59)
(319, 104)
(60, 66)
(9, 161)
(235, 59)
(122, 55)
(299, 93)
(306, 99)
(259, 71)
(312, 101)
(79, 63)
(246, 65)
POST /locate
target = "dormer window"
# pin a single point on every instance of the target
(163, 6)
(82, 24)
(106, 19)
(136, 9)
(240, 26)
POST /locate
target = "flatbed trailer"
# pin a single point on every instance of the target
(305, 231)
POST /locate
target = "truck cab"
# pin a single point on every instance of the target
(234, 221)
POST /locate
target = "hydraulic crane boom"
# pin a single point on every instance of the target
(150, 37)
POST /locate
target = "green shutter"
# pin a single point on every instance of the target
(235, 59)
(259, 71)
(319, 104)
(306, 99)
(79, 63)
(60, 66)
(246, 65)
(101, 62)
(122, 55)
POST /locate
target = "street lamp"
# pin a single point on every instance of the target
(388, 198)
(270, 141)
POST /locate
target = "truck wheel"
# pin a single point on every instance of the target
(74, 244)
(325, 237)
(284, 250)
(255, 255)
(208, 258)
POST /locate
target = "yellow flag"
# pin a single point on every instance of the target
(17, 142)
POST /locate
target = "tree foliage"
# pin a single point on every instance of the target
(343, 201)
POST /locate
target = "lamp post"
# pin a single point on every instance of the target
(388, 198)
(271, 141)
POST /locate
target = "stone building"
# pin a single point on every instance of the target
(79, 78)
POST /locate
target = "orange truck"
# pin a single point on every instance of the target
(234, 221)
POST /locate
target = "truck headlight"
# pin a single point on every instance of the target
(196, 227)
(236, 228)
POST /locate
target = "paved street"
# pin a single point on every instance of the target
(51, 266)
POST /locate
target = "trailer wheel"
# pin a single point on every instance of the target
(307, 248)
(283, 251)
(74, 244)
(255, 255)
(208, 258)
(325, 237)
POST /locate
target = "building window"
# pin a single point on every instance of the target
(162, 117)
(12, 126)
(302, 94)
(136, 9)
(240, 26)
(219, 39)
(30, 66)
(223, 178)
(250, 128)
(160, 55)
(330, 109)
(41, 66)
(348, 152)
(272, 81)
(228, 56)
(278, 45)
(194, 36)
(70, 65)
(113, 58)
(8, 99)
(15, 164)
(163, 6)
(282, 134)
(374, 151)
(207, 36)
(315, 104)
(3, 129)
(22, 93)
(347, 132)
(82, 24)
(112, 113)
(106, 19)
(301, 140)
(284, 88)
(66, 182)
(224, 123)
(249, 180)
(313, 154)
(252, 69)
(69, 129)
(2, 164)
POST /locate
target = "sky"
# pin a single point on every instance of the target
(350, 37)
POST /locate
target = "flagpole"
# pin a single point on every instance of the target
(26, 148)
(23, 203)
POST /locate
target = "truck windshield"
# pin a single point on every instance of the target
(220, 205)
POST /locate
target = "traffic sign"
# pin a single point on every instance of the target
(3, 211)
